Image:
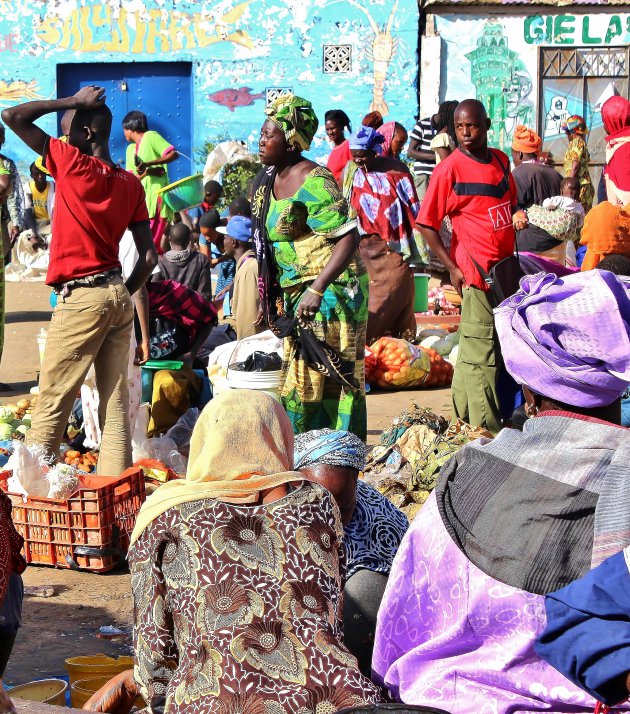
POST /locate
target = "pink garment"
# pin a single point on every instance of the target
(387, 130)
(158, 226)
(450, 636)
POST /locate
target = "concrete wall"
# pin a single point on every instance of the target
(239, 51)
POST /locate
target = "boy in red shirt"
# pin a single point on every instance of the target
(475, 188)
(96, 201)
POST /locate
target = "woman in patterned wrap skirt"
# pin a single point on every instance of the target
(236, 577)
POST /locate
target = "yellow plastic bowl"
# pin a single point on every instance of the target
(47, 691)
(100, 665)
(83, 689)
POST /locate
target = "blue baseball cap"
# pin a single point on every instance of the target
(239, 228)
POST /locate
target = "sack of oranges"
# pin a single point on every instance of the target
(397, 364)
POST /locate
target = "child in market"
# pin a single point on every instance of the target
(562, 217)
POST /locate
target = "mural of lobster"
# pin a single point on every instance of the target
(381, 52)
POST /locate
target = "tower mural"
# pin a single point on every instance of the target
(502, 83)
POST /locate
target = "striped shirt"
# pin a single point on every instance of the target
(423, 132)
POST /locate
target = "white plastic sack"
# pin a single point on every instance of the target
(139, 435)
(62, 480)
(29, 467)
(227, 152)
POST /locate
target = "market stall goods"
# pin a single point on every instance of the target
(397, 364)
(407, 463)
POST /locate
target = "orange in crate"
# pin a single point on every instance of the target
(88, 531)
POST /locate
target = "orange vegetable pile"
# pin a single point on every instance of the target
(441, 374)
(391, 363)
(82, 462)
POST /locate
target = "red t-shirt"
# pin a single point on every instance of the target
(338, 159)
(94, 205)
(478, 197)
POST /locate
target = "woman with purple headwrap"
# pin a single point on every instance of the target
(382, 194)
(520, 516)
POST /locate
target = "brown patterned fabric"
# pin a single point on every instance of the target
(238, 609)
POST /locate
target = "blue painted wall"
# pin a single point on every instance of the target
(239, 51)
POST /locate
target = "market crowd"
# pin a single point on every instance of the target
(272, 578)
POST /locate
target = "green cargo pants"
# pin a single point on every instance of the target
(474, 390)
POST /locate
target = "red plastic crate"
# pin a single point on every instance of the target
(89, 531)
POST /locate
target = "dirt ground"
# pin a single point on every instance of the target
(66, 624)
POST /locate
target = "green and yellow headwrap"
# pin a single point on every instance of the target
(295, 117)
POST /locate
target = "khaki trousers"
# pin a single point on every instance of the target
(92, 326)
(474, 388)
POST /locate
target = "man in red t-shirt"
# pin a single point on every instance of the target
(96, 201)
(474, 187)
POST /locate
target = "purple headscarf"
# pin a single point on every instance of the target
(568, 338)
(366, 139)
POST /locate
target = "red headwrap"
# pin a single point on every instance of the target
(616, 116)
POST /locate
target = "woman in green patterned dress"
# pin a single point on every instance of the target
(313, 285)
(577, 158)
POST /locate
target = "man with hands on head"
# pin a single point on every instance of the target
(92, 322)
(475, 188)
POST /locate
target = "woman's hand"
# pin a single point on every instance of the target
(116, 697)
(309, 305)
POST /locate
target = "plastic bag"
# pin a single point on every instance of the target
(140, 430)
(259, 362)
(163, 449)
(62, 480)
(398, 364)
(181, 432)
(29, 466)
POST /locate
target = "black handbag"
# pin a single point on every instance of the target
(503, 279)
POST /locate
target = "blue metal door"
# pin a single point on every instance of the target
(162, 90)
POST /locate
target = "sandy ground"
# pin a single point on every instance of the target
(66, 624)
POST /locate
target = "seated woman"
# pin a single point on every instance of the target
(520, 516)
(373, 529)
(236, 576)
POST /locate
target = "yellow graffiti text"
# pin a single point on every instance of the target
(98, 28)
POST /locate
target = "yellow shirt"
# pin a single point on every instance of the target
(40, 202)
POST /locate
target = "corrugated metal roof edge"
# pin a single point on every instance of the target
(584, 4)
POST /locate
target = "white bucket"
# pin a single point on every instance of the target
(267, 382)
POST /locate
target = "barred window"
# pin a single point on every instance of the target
(272, 93)
(585, 62)
(337, 59)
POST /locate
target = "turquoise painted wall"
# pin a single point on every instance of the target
(239, 50)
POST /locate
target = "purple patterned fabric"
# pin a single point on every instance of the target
(450, 636)
(569, 338)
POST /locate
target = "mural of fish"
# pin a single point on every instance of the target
(232, 98)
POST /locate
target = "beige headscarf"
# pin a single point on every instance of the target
(241, 445)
